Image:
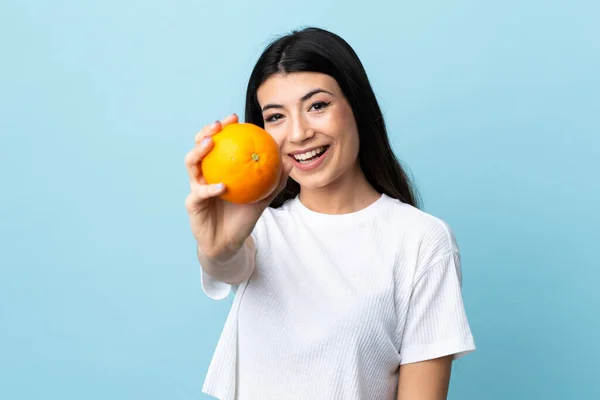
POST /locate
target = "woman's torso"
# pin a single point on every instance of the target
(322, 314)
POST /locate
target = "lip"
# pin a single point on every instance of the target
(311, 165)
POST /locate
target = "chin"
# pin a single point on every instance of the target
(317, 181)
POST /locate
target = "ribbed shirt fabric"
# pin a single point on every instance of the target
(337, 302)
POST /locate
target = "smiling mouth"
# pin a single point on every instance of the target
(309, 156)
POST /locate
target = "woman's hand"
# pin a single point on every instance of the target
(220, 227)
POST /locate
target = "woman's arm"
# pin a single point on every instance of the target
(425, 380)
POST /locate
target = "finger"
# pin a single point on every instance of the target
(215, 127)
(232, 119)
(193, 158)
(201, 193)
(207, 131)
(204, 192)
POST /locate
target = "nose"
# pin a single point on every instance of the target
(301, 132)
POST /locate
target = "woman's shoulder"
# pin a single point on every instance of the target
(272, 218)
(281, 212)
(413, 216)
(432, 233)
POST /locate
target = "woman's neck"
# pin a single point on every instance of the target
(349, 193)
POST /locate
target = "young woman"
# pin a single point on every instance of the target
(344, 289)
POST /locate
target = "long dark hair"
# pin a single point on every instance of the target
(317, 50)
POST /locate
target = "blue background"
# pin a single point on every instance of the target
(494, 106)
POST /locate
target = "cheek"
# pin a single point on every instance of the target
(278, 135)
(350, 148)
(347, 134)
(342, 122)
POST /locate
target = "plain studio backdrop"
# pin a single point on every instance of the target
(494, 107)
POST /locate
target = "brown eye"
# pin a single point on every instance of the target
(319, 105)
(273, 117)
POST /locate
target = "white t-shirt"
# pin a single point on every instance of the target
(337, 302)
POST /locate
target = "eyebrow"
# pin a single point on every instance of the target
(304, 98)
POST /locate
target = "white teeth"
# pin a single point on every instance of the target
(309, 154)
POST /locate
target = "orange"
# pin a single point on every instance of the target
(246, 159)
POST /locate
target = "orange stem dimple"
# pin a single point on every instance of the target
(255, 157)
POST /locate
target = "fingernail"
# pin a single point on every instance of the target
(214, 124)
(218, 187)
(205, 141)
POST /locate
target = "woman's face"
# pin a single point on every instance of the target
(313, 123)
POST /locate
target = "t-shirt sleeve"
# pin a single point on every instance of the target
(436, 322)
(214, 288)
(218, 290)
